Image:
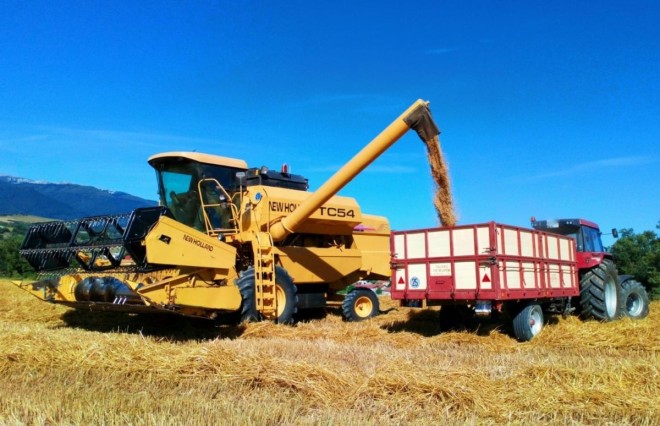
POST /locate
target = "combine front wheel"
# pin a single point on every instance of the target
(634, 299)
(285, 292)
(600, 291)
(287, 298)
(360, 304)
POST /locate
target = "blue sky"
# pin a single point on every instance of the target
(550, 109)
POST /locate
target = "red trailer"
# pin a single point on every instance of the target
(487, 267)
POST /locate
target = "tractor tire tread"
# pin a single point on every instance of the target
(593, 300)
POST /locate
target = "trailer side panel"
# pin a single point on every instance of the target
(487, 261)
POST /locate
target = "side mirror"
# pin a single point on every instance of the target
(240, 178)
(615, 233)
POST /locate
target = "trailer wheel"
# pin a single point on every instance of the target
(600, 292)
(528, 322)
(634, 299)
(360, 304)
(285, 291)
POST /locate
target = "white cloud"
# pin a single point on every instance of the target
(608, 163)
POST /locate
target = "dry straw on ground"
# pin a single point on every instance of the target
(59, 366)
(443, 200)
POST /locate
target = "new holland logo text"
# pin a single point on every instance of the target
(284, 207)
(279, 206)
(198, 243)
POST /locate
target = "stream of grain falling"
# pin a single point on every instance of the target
(443, 201)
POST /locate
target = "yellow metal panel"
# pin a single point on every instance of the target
(373, 240)
(172, 243)
(278, 203)
(319, 265)
(222, 297)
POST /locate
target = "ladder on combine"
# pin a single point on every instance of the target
(264, 276)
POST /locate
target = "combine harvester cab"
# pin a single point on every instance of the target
(226, 238)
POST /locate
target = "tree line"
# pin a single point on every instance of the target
(639, 255)
(12, 265)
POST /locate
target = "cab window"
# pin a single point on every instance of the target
(592, 242)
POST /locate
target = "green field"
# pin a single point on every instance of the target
(59, 366)
(8, 220)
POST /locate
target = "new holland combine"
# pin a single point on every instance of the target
(225, 238)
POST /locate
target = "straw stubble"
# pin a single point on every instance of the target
(59, 366)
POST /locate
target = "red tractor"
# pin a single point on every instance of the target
(604, 294)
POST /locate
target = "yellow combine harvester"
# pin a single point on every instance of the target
(225, 238)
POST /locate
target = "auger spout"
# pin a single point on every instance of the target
(417, 117)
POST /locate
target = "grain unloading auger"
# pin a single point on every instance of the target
(225, 238)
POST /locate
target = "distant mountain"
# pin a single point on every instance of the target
(20, 196)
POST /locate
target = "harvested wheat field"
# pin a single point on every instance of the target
(59, 366)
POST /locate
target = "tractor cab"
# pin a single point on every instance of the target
(199, 189)
(586, 235)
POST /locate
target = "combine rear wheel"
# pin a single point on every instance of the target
(528, 323)
(285, 292)
(360, 304)
(634, 299)
(600, 291)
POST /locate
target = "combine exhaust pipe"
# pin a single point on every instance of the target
(417, 117)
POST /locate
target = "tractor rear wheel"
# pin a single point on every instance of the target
(528, 322)
(285, 292)
(600, 292)
(634, 299)
(360, 304)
